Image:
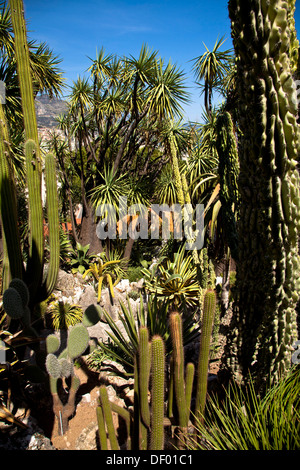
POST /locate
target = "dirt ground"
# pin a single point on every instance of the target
(84, 416)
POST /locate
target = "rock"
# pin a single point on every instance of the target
(137, 285)
(31, 438)
(88, 297)
(86, 398)
(66, 283)
(123, 286)
(111, 305)
(88, 438)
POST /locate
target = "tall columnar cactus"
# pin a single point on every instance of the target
(294, 43)
(178, 367)
(203, 361)
(228, 172)
(146, 424)
(158, 393)
(13, 262)
(268, 278)
(144, 366)
(183, 377)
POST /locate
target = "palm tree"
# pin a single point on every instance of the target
(211, 67)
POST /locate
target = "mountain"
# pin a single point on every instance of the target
(48, 109)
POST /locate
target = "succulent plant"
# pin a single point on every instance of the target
(264, 327)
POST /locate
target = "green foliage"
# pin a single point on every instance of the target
(211, 67)
(244, 420)
(154, 316)
(134, 273)
(174, 281)
(80, 260)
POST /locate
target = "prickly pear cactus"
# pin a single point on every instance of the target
(60, 365)
(268, 265)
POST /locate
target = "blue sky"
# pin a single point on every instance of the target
(74, 29)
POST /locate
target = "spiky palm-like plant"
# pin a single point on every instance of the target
(211, 67)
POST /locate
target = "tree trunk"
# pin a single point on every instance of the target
(88, 233)
(128, 249)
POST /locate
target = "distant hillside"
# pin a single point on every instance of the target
(47, 110)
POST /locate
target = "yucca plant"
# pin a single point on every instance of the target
(246, 421)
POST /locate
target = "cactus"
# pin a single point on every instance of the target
(101, 428)
(61, 366)
(52, 344)
(13, 262)
(145, 426)
(105, 404)
(77, 341)
(12, 303)
(158, 390)
(178, 358)
(294, 43)
(22, 290)
(144, 362)
(228, 171)
(92, 315)
(53, 366)
(12, 265)
(203, 361)
(264, 327)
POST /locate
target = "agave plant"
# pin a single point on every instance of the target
(174, 280)
(80, 259)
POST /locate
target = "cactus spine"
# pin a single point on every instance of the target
(268, 280)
